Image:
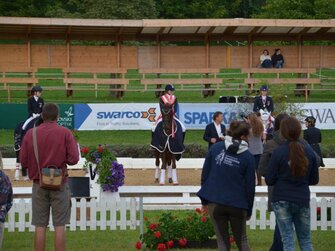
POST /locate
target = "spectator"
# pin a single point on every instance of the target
(6, 199)
(35, 103)
(269, 147)
(293, 167)
(255, 141)
(265, 59)
(313, 136)
(263, 101)
(215, 131)
(228, 186)
(277, 59)
(56, 147)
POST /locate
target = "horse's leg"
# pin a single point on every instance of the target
(169, 169)
(157, 156)
(163, 169)
(174, 170)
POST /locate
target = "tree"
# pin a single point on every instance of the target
(293, 9)
(324, 9)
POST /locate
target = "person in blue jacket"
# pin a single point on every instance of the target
(293, 167)
(228, 186)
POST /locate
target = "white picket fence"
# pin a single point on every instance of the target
(91, 214)
(128, 214)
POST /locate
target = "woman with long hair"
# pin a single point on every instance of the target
(228, 186)
(255, 140)
(293, 167)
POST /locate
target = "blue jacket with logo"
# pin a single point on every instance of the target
(228, 175)
(286, 186)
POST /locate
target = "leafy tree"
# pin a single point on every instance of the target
(324, 9)
(293, 9)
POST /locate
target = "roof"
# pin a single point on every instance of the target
(166, 29)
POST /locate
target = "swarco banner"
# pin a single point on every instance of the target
(135, 116)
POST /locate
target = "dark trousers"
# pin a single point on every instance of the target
(223, 216)
(277, 244)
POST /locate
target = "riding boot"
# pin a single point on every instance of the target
(162, 178)
(157, 173)
(174, 177)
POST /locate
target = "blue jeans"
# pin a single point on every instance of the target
(289, 214)
(277, 244)
(279, 64)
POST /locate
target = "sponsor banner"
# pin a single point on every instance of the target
(12, 114)
(127, 116)
(132, 116)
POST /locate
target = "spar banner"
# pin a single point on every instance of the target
(140, 116)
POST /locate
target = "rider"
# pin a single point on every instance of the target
(174, 142)
(35, 102)
(263, 101)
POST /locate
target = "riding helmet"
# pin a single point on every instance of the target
(36, 89)
(169, 87)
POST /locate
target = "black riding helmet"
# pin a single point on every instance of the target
(36, 89)
(169, 87)
(310, 120)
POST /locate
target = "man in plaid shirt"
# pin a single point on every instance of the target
(6, 199)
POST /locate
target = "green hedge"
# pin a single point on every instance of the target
(134, 151)
(144, 151)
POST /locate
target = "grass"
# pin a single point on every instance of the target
(139, 137)
(260, 240)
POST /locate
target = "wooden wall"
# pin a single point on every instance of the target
(133, 57)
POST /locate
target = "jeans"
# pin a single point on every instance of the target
(289, 214)
(222, 216)
(277, 244)
(279, 64)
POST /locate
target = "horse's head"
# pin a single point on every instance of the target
(265, 115)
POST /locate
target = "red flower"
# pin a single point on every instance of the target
(157, 234)
(318, 210)
(170, 244)
(85, 150)
(100, 149)
(203, 218)
(153, 226)
(199, 211)
(182, 242)
(161, 247)
(231, 239)
(138, 245)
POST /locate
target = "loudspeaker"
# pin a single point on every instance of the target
(79, 186)
(227, 99)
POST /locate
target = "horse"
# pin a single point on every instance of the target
(19, 133)
(268, 124)
(169, 167)
(167, 140)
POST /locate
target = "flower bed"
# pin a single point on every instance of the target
(194, 230)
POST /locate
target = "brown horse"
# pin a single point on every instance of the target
(169, 168)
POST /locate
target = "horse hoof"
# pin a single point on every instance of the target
(156, 180)
(170, 180)
(176, 184)
(161, 184)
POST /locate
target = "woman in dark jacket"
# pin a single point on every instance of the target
(293, 167)
(277, 59)
(228, 186)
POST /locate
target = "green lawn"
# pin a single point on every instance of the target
(260, 240)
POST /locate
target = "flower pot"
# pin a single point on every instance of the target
(109, 196)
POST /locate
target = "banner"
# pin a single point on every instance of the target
(127, 116)
(12, 114)
(141, 116)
